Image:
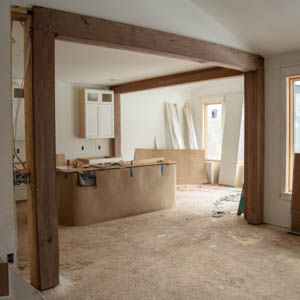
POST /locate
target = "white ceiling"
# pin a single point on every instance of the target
(78, 63)
(267, 27)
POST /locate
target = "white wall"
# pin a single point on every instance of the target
(231, 137)
(277, 204)
(210, 92)
(143, 118)
(7, 225)
(67, 124)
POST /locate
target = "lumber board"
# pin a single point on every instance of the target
(176, 79)
(117, 125)
(147, 161)
(190, 163)
(20, 13)
(296, 195)
(96, 167)
(45, 158)
(81, 28)
(61, 159)
(254, 146)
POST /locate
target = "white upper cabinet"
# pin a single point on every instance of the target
(96, 114)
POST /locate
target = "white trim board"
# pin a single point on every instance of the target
(231, 135)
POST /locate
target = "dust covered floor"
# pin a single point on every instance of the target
(198, 250)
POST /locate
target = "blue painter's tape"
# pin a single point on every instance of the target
(131, 172)
(162, 170)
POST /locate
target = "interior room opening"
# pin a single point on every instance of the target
(209, 121)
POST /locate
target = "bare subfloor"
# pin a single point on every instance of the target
(182, 253)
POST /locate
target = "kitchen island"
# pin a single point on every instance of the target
(114, 191)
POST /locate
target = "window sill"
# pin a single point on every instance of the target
(286, 196)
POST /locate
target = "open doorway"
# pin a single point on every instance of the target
(99, 68)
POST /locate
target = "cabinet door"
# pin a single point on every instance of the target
(91, 121)
(106, 121)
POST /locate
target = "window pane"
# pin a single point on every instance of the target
(297, 117)
(214, 131)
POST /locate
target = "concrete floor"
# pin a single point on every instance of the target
(183, 253)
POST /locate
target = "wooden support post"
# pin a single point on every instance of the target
(30, 163)
(254, 146)
(116, 142)
(41, 134)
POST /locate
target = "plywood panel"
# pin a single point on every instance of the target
(296, 195)
(191, 167)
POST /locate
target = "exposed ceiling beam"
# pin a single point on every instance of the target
(80, 28)
(176, 79)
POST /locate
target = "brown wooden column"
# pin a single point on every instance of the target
(254, 146)
(31, 197)
(116, 142)
(44, 220)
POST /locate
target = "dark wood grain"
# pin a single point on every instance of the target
(176, 79)
(116, 142)
(45, 156)
(296, 195)
(30, 158)
(254, 146)
(4, 280)
(80, 28)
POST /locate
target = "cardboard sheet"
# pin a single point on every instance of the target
(190, 163)
(120, 192)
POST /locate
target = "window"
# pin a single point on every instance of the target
(213, 130)
(294, 126)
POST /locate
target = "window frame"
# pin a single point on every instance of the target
(205, 128)
(291, 130)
